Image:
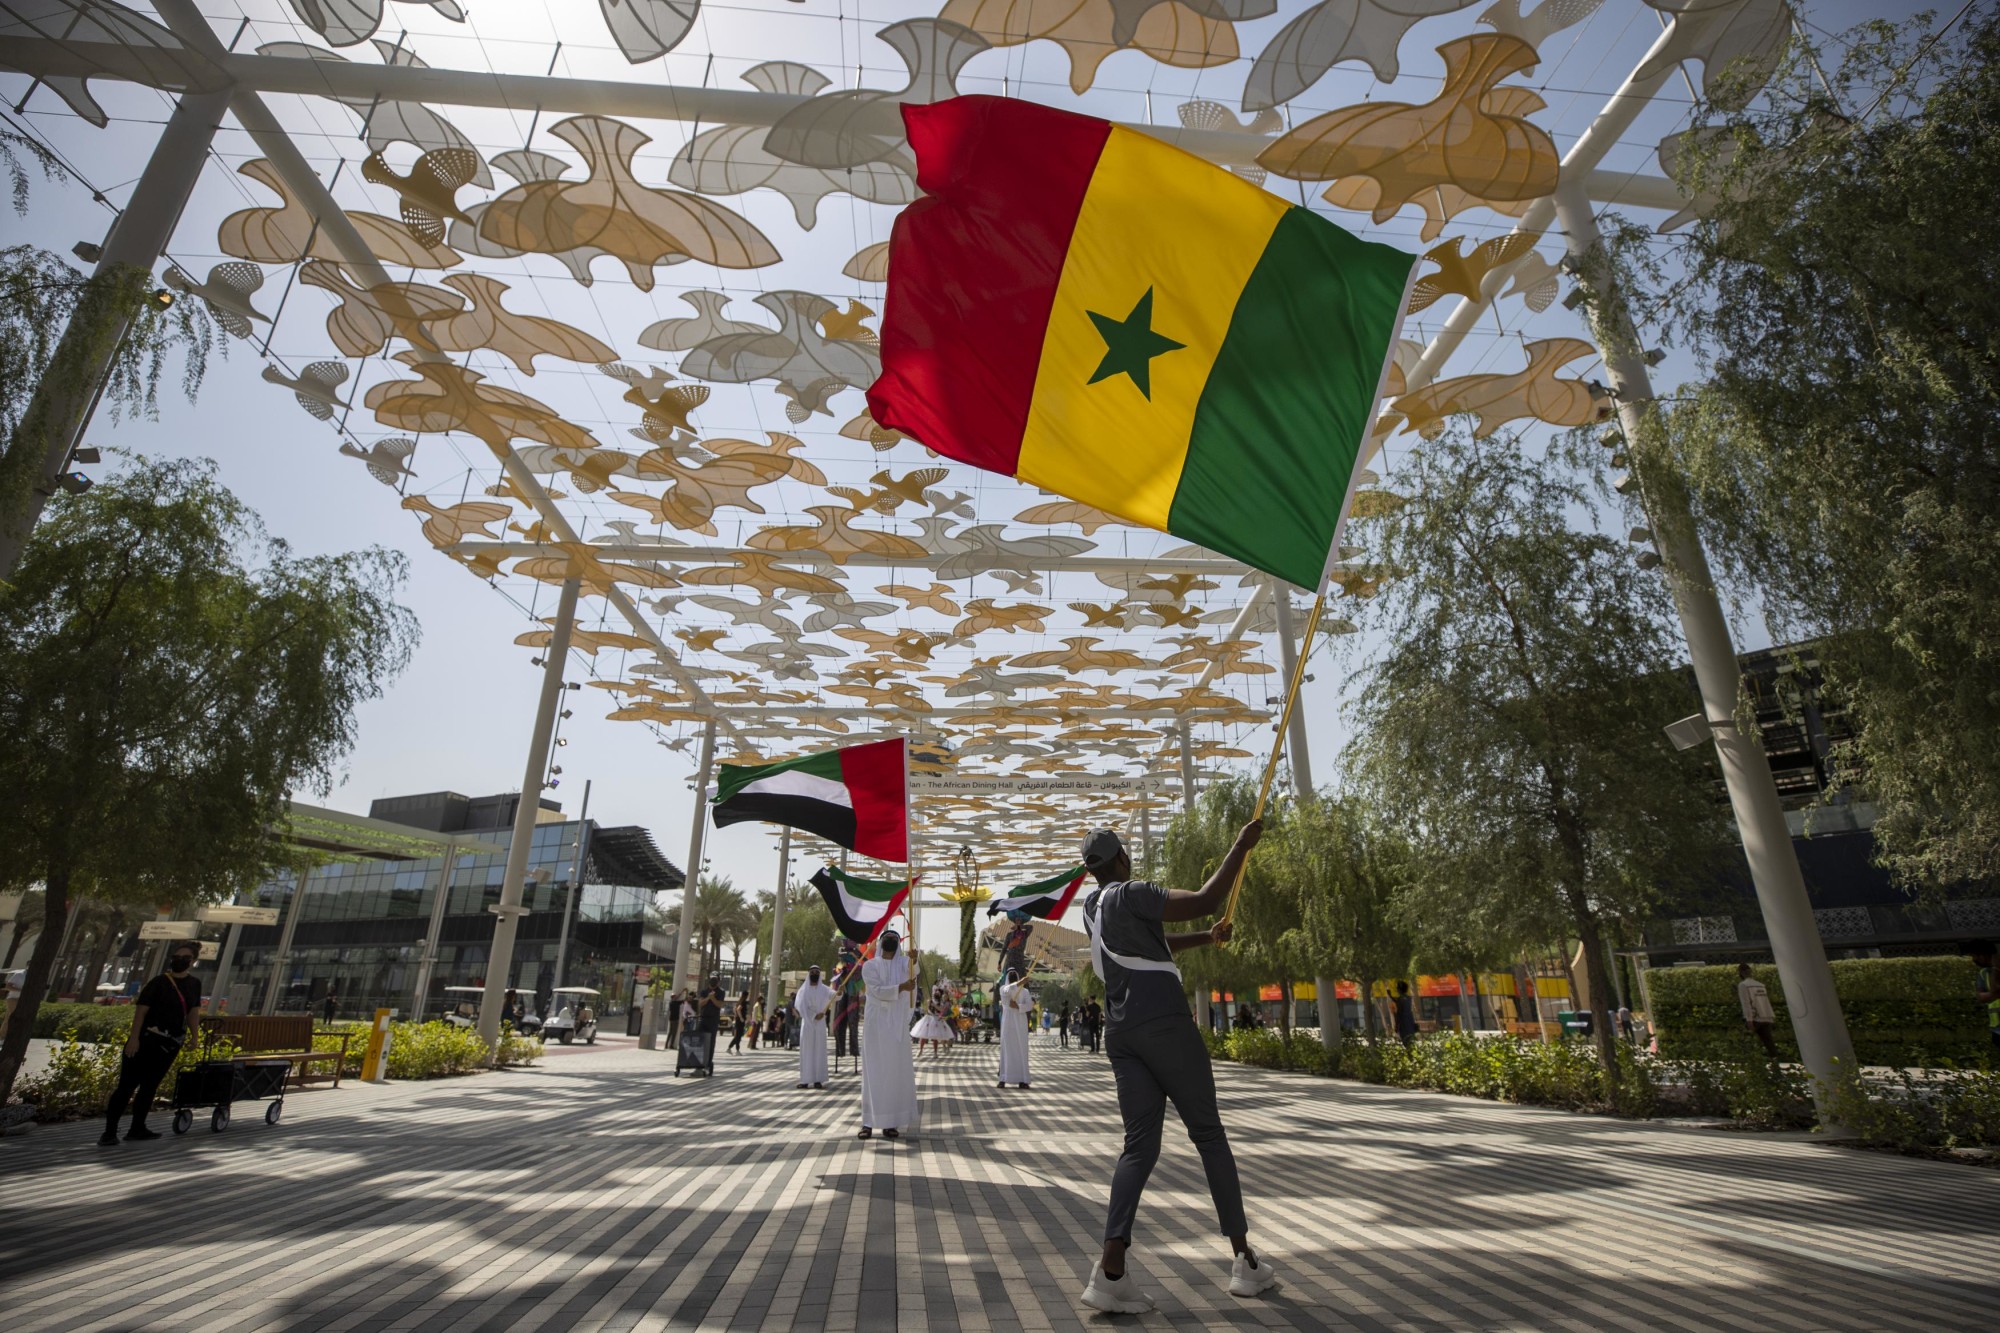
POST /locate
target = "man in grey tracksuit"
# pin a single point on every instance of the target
(1157, 1055)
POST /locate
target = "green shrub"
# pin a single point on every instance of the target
(78, 1079)
(90, 1022)
(1899, 1011)
(77, 1082)
(434, 1050)
(1922, 1109)
(516, 1049)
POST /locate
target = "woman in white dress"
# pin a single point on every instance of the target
(931, 1026)
(1014, 1003)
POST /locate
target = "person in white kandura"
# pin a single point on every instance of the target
(1014, 1002)
(812, 1001)
(888, 1073)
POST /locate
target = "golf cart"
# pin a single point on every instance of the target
(572, 1014)
(462, 1005)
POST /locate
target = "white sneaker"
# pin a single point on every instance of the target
(1246, 1279)
(1120, 1297)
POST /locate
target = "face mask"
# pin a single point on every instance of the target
(889, 949)
(182, 964)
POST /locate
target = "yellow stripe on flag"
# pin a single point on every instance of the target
(1155, 218)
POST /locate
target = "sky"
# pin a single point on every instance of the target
(459, 717)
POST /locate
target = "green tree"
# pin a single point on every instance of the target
(1509, 727)
(1345, 870)
(720, 911)
(56, 325)
(809, 933)
(167, 674)
(1192, 847)
(1844, 297)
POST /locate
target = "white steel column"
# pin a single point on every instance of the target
(1187, 769)
(440, 900)
(500, 962)
(57, 416)
(1753, 795)
(695, 836)
(1288, 652)
(777, 953)
(283, 958)
(575, 884)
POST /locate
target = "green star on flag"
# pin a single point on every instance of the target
(1130, 344)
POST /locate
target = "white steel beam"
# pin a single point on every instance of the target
(553, 96)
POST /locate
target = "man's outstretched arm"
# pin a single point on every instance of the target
(1182, 906)
(1216, 934)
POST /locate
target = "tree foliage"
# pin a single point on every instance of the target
(1845, 299)
(1509, 727)
(168, 673)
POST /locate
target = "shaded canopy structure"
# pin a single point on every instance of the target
(589, 290)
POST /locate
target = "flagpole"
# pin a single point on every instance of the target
(1278, 741)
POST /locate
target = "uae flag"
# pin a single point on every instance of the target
(1047, 899)
(860, 907)
(857, 797)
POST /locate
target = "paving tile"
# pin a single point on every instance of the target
(600, 1193)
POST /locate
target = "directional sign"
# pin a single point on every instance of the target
(229, 914)
(211, 950)
(167, 930)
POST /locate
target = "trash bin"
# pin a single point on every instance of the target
(1575, 1022)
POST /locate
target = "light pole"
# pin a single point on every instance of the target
(500, 962)
(1821, 1030)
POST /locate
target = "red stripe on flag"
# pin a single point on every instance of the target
(1062, 903)
(895, 906)
(876, 782)
(973, 271)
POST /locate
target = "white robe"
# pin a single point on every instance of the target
(888, 1073)
(812, 1001)
(1014, 1002)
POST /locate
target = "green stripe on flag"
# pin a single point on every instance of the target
(732, 778)
(872, 890)
(1290, 396)
(1050, 885)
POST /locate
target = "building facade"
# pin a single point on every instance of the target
(397, 933)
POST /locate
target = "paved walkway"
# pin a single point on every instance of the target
(599, 1192)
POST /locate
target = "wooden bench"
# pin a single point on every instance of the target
(286, 1036)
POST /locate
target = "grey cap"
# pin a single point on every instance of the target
(1101, 847)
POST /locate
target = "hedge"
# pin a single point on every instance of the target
(90, 1022)
(1900, 1011)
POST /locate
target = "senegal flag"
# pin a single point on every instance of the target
(1101, 314)
(1047, 899)
(857, 797)
(860, 907)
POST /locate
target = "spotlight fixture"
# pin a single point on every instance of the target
(74, 482)
(572, 685)
(556, 772)
(1621, 459)
(1625, 484)
(1657, 355)
(161, 298)
(87, 251)
(1649, 559)
(1575, 299)
(1612, 438)
(562, 740)
(567, 714)
(85, 453)
(1639, 536)
(534, 661)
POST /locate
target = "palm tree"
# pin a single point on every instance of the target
(719, 910)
